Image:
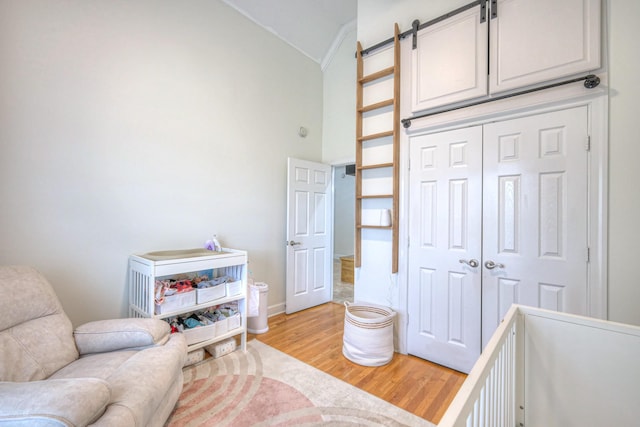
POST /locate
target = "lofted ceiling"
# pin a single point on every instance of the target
(314, 27)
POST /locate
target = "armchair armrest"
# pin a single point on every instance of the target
(120, 334)
(78, 402)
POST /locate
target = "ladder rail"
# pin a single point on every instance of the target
(357, 259)
(394, 133)
(396, 153)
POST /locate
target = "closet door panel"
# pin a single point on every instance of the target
(542, 40)
(445, 228)
(535, 214)
(449, 63)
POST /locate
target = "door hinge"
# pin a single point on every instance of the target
(483, 11)
(588, 144)
(588, 254)
(494, 9)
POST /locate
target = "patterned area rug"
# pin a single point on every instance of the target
(265, 387)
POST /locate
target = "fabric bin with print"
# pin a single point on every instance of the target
(194, 357)
(200, 333)
(211, 293)
(176, 302)
(234, 288)
(221, 348)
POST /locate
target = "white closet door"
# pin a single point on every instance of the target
(511, 195)
(445, 227)
(535, 41)
(449, 63)
(535, 215)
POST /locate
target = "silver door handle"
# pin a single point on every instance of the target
(471, 263)
(292, 243)
(491, 265)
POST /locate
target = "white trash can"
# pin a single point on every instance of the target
(258, 293)
(368, 334)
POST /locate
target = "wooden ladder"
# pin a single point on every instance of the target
(361, 141)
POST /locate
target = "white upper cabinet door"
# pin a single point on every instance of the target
(533, 41)
(449, 63)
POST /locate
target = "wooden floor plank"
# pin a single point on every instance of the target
(314, 336)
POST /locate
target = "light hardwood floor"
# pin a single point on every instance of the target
(314, 336)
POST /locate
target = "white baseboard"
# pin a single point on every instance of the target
(272, 310)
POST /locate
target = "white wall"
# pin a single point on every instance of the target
(130, 126)
(339, 134)
(376, 17)
(339, 102)
(375, 23)
(624, 152)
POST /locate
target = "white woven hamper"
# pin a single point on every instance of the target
(368, 334)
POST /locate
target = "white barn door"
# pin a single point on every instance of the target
(309, 231)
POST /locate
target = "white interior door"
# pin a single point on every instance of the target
(445, 247)
(309, 230)
(535, 215)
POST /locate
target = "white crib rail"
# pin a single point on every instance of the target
(489, 395)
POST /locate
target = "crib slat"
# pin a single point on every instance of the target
(487, 397)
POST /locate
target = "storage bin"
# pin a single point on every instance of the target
(234, 288)
(176, 302)
(200, 333)
(221, 327)
(211, 293)
(221, 348)
(233, 322)
(368, 334)
(194, 356)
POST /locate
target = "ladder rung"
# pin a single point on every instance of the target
(377, 75)
(377, 166)
(375, 136)
(376, 196)
(386, 227)
(377, 105)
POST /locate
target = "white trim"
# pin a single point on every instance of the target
(335, 45)
(269, 29)
(343, 161)
(325, 60)
(517, 106)
(272, 310)
(598, 207)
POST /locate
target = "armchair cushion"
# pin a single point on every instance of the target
(120, 334)
(76, 402)
(35, 334)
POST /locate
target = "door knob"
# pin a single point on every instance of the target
(471, 263)
(292, 243)
(491, 265)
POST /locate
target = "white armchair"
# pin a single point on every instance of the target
(120, 372)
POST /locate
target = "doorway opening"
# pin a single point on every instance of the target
(344, 196)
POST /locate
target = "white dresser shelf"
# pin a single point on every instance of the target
(144, 269)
